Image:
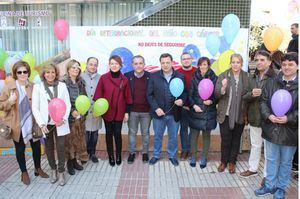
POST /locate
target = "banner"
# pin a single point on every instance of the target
(150, 42)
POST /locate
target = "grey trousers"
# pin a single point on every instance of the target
(136, 118)
(194, 143)
(60, 149)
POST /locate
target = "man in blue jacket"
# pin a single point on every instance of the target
(165, 108)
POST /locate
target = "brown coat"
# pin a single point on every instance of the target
(11, 112)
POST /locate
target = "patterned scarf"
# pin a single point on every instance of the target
(25, 114)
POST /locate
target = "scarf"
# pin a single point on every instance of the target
(25, 114)
(236, 100)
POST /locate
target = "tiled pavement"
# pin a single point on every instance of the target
(136, 181)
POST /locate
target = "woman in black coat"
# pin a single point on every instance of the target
(203, 112)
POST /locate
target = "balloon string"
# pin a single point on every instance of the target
(171, 107)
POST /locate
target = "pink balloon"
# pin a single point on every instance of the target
(57, 109)
(2, 75)
(61, 29)
(205, 88)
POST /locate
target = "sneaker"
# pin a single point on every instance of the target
(263, 191)
(247, 174)
(94, 159)
(279, 194)
(131, 158)
(145, 158)
(174, 161)
(193, 161)
(203, 163)
(153, 161)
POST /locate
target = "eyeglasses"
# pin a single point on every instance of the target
(25, 72)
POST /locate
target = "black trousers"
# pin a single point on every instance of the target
(295, 160)
(91, 142)
(230, 141)
(113, 130)
(20, 153)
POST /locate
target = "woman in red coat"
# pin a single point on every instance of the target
(114, 87)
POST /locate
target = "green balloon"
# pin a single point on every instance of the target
(33, 74)
(3, 57)
(82, 104)
(100, 107)
(30, 59)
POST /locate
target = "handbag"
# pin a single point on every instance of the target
(36, 131)
(5, 131)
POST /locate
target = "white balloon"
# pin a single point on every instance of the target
(2, 84)
(8, 64)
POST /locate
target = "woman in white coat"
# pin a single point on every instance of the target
(42, 93)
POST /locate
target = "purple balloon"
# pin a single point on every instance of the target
(205, 88)
(281, 102)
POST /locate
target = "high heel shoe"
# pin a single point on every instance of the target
(111, 161)
(41, 173)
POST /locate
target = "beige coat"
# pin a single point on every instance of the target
(11, 112)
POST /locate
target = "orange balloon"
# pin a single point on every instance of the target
(272, 38)
(8, 79)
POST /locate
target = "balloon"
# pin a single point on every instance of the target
(176, 87)
(281, 102)
(30, 59)
(3, 57)
(126, 56)
(224, 60)
(61, 29)
(2, 75)
(215, 68)
(230, 27)
(224, 45)
(8, 64)
(2, 84)
(212, 44)
(205, 88)
(9, 79)
(83, 66)
(37, 79)
(57, 109)
(193, 51)
(272, 38)
(82, 104)
(100, 107)
(32, 75)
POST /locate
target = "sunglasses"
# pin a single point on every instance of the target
(25, 72)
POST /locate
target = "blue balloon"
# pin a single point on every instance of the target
(230, 27)
(212, 44)
(126, 56)
(176, 87)
(193, 50)
(224, 45)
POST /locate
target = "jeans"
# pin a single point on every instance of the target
(230, 141)
(185, 135)
(159, 126)
(91, 141)
(20, 153)
(144, 120)
(256, 143)
(205, 143)
(279, 164)
(60, 149)
(113, 130)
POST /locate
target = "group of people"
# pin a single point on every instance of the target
(137, 97)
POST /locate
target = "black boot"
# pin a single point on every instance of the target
(70, 167)
(118, 158)
(76, 165)
(111, 160)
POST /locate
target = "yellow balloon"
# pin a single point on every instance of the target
(272, 38)
(224, 60)
(83, 66)
(215, 67)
